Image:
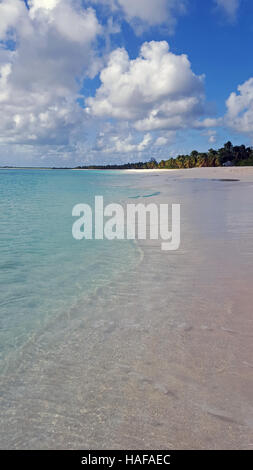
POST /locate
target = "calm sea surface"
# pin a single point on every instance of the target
(43, 270)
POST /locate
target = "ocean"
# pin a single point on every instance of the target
(44, 272)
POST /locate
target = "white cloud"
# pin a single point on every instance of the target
(207, 123)
(75, 24)
(152, 13)
(212, 135)
(121, 144)
(165, 139)
(145, 13)
(38, 80)
(212, 139)
(147, 10)
(229, 6)
(161, 141)
(240, 109)
(12, 13)
(44, 4)
(55, 49)
(158, 90)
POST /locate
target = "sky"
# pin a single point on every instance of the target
(112, 81)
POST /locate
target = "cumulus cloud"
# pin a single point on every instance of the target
(121, 144)
(240, 109)
(12, 12)
(146, 13)
(76, 24)
(165, 139)
(158, 90)
(212, 135)
(38, 80)
(161, 141)
(230, 7)
(48, 48)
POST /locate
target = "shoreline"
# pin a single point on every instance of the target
(136, 171)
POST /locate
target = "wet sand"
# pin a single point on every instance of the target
(164, 358)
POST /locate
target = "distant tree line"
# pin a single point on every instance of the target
(225, 156)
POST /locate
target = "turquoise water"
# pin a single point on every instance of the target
(43, 270)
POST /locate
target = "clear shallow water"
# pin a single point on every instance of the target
(43, 271)
(162, 358)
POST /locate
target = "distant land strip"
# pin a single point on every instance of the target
(228, 155)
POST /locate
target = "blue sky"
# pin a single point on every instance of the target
(97, 81)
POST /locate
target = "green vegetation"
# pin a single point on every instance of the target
(225, 156)
(228, 155)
